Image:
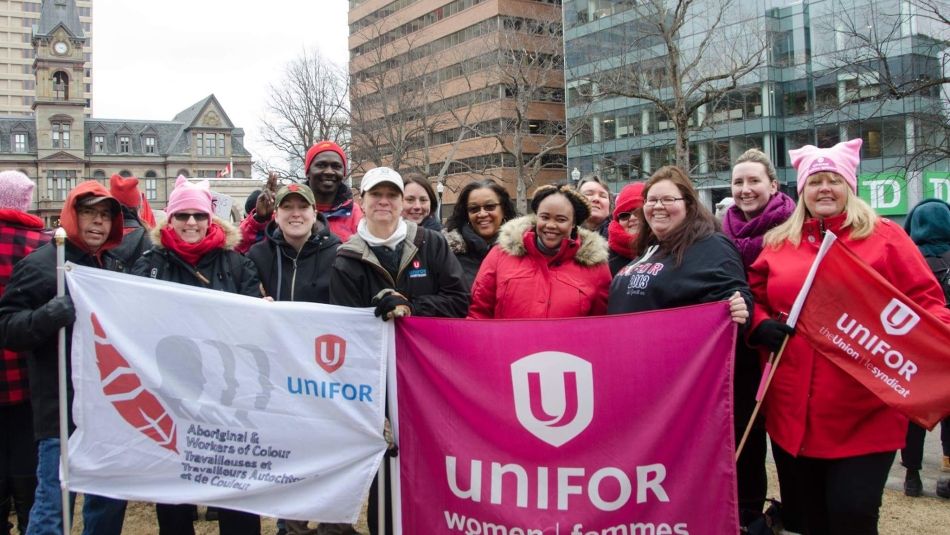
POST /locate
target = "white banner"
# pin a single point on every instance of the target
(188, 395)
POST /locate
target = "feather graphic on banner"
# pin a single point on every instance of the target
(123, 388)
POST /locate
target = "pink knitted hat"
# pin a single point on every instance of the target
(188, 196)
(16, 191)
(841, 159)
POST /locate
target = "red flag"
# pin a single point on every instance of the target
(225, 172)
(146, 214)
(885, 341)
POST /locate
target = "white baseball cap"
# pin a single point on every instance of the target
(379, 175)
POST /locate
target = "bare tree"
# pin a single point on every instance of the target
(307, 105)
(389, 112)
(532, 131)
(430, 108)
(888, 51)
(681, 56)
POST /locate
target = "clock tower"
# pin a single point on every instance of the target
(59, 67)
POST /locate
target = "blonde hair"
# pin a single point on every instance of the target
(757, 156)
(859, 216)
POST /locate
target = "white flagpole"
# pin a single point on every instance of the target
(60, 238)
(775, 358)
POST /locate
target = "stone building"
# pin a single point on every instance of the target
(60, 146)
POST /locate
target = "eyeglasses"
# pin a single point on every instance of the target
(183, 217)
(662, 201)
(621, 217)
(92, 213)
(488, 207)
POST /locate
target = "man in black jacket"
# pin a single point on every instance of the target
(31, 314)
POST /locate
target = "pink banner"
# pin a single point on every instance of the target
(594, 426)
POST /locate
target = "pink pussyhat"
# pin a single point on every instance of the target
(842, 159)
(16, 191)
(188, 196)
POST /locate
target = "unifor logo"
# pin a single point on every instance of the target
(554, 395)
(898, 318)
(330, 352)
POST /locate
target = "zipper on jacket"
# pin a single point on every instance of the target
(293, 277)
(821, 228)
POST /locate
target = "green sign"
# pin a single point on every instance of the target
(937, 185)
(885, 192)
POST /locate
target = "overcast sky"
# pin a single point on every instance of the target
(152, 59)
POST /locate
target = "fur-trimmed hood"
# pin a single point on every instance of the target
(592, 250)
(231, 235)
(456, 241)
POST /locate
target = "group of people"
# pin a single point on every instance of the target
(580, 252)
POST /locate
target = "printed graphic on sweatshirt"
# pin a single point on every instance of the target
(640, 276)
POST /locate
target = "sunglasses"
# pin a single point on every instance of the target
(624, 216)
(183, 217)
(489, 207)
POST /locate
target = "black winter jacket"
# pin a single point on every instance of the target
(134, 243)
(25, 326)
(220, 269)
(616, 262)
(289, 275)
(429, 275)
(470, 249)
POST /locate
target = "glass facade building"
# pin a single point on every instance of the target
(815, 84)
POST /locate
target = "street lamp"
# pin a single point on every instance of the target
(576, 175)
(440, 189)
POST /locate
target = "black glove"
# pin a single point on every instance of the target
(771, 334)
(387, 303)
(60, 311)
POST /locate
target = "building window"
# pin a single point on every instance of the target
(150, 144)
(99, 174)
(60, 135)
(203, 173)
(19, 142)
(60, 182)
(125, 144)
(98, 143)
(209, 144)
(60, 85)
(151, 185)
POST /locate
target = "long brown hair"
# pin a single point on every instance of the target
(698, 224)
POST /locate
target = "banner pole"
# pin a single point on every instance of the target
(381, 497)
(767, 375)
(60, 239)
(792, 319)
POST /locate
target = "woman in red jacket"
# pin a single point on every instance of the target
(544, 265)
(833, 440)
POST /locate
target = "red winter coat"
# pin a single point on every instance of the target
(517, 281)
(813, 408)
